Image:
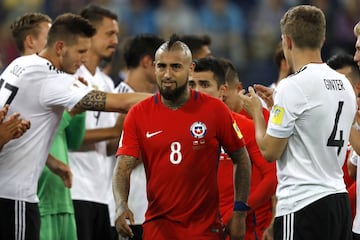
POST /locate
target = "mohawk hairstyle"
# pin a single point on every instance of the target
(174, 44)
(173, 39)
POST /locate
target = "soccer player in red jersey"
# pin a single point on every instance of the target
(209, 76)
(178, 133)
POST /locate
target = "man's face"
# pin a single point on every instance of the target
(41, 39)
(74, 55)
(106, 39)
(346, 71)
(231, 97)
(172, 70)
(204, 82)
(354, 79)
(357, 51)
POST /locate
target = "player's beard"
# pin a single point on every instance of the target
(107, 59)
(173, 94)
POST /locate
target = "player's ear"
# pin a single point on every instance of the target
(59, 46)
(288, 42)
(239, 87)
(191, 68)
(146, 61)
(223, 91)
(28, 42)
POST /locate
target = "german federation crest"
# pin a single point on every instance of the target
(198, 129)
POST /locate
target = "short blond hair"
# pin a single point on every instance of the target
(29, 23)
(305, 24)
(357, 29)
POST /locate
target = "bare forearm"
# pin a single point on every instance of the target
(51, 161)
(260, 130)
(242, 174)
(110, 102)
(122, 102)
(112, 146)
(121, 180)
(101, 134)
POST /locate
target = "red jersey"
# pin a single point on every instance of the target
(180, 151)
(265, 112)
(262, 188)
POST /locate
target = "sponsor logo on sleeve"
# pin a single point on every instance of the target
(277, 115)
(237, 130)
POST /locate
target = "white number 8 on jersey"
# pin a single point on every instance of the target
(175, 155)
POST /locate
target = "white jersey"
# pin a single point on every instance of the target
(92, 169)
(355, 160)
(314, 109)
(137, 200)
(40, 92)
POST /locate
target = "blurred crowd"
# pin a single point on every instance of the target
(245, 31)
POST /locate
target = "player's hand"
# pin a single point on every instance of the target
(122, 227)
(3, 113)
(251, 102)
(268, 233)
(13, 127)
(61, 169)
(266, 94)
(22, 127)
(236, 227)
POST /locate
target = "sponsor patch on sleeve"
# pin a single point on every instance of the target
(277, 115)
(237, 130)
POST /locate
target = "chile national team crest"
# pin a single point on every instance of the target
(198, 129)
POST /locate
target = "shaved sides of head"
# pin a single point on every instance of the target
(174, 44)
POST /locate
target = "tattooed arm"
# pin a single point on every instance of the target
(121, 187)
(110, 102)
(242, 174)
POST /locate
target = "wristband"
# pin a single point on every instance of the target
(241, 206)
